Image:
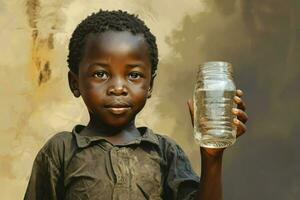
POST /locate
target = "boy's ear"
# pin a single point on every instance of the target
(151, 86)
(73, 83)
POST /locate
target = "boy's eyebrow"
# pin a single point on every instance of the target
(105, 65)
(132, 65)
(102, 64)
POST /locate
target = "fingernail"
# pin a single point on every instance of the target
(240, 92)
(237, 98)
(235, 120)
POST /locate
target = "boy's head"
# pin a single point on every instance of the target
(103, 21)
(112, 60)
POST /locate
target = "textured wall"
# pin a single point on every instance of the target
(260, 39)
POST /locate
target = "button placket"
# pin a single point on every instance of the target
(120, 164)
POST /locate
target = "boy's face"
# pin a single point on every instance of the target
(114, 77)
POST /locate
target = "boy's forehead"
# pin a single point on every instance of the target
(118, 44)
(116, 39)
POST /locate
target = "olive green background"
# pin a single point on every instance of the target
(261, 38)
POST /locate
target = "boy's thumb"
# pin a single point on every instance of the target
(190, 104)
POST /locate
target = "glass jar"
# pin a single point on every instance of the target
(213, 103)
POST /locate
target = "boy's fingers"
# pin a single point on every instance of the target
(239, 93)
(241, 115)
(240, 104)
(241, 127)
(190, 104)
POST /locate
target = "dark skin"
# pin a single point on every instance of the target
(115, 81)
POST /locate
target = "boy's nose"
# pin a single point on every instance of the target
(118, 88)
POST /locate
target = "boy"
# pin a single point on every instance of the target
(113, 61)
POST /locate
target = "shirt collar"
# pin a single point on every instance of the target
(82, 141)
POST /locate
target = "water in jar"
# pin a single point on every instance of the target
(213, 120)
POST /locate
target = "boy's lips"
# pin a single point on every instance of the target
(118, 108)
(117, 105)
(118, 111)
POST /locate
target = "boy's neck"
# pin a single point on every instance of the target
(120, 135)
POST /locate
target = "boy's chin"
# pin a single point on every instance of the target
(119, 121)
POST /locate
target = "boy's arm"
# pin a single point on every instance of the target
(210, 187)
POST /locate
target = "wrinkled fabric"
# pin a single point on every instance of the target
(75, 167)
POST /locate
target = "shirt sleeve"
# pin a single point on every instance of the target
(45, 181)
(182, 182)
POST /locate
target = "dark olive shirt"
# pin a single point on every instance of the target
(72, 166)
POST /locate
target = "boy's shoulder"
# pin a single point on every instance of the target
(58, 140)
(166, 140)
(57, 145)
(54, 150)
(169, 146)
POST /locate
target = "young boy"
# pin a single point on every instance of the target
(113, 61)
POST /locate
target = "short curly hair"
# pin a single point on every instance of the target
(105, 20)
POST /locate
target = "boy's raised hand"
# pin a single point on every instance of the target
(240, 122)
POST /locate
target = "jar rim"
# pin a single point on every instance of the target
(218, 63)
(215, 68)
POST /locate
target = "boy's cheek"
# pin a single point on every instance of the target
(93, 90)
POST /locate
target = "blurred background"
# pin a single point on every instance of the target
(261, 38)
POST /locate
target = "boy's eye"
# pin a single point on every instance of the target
(101, 75)
(134, 75)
